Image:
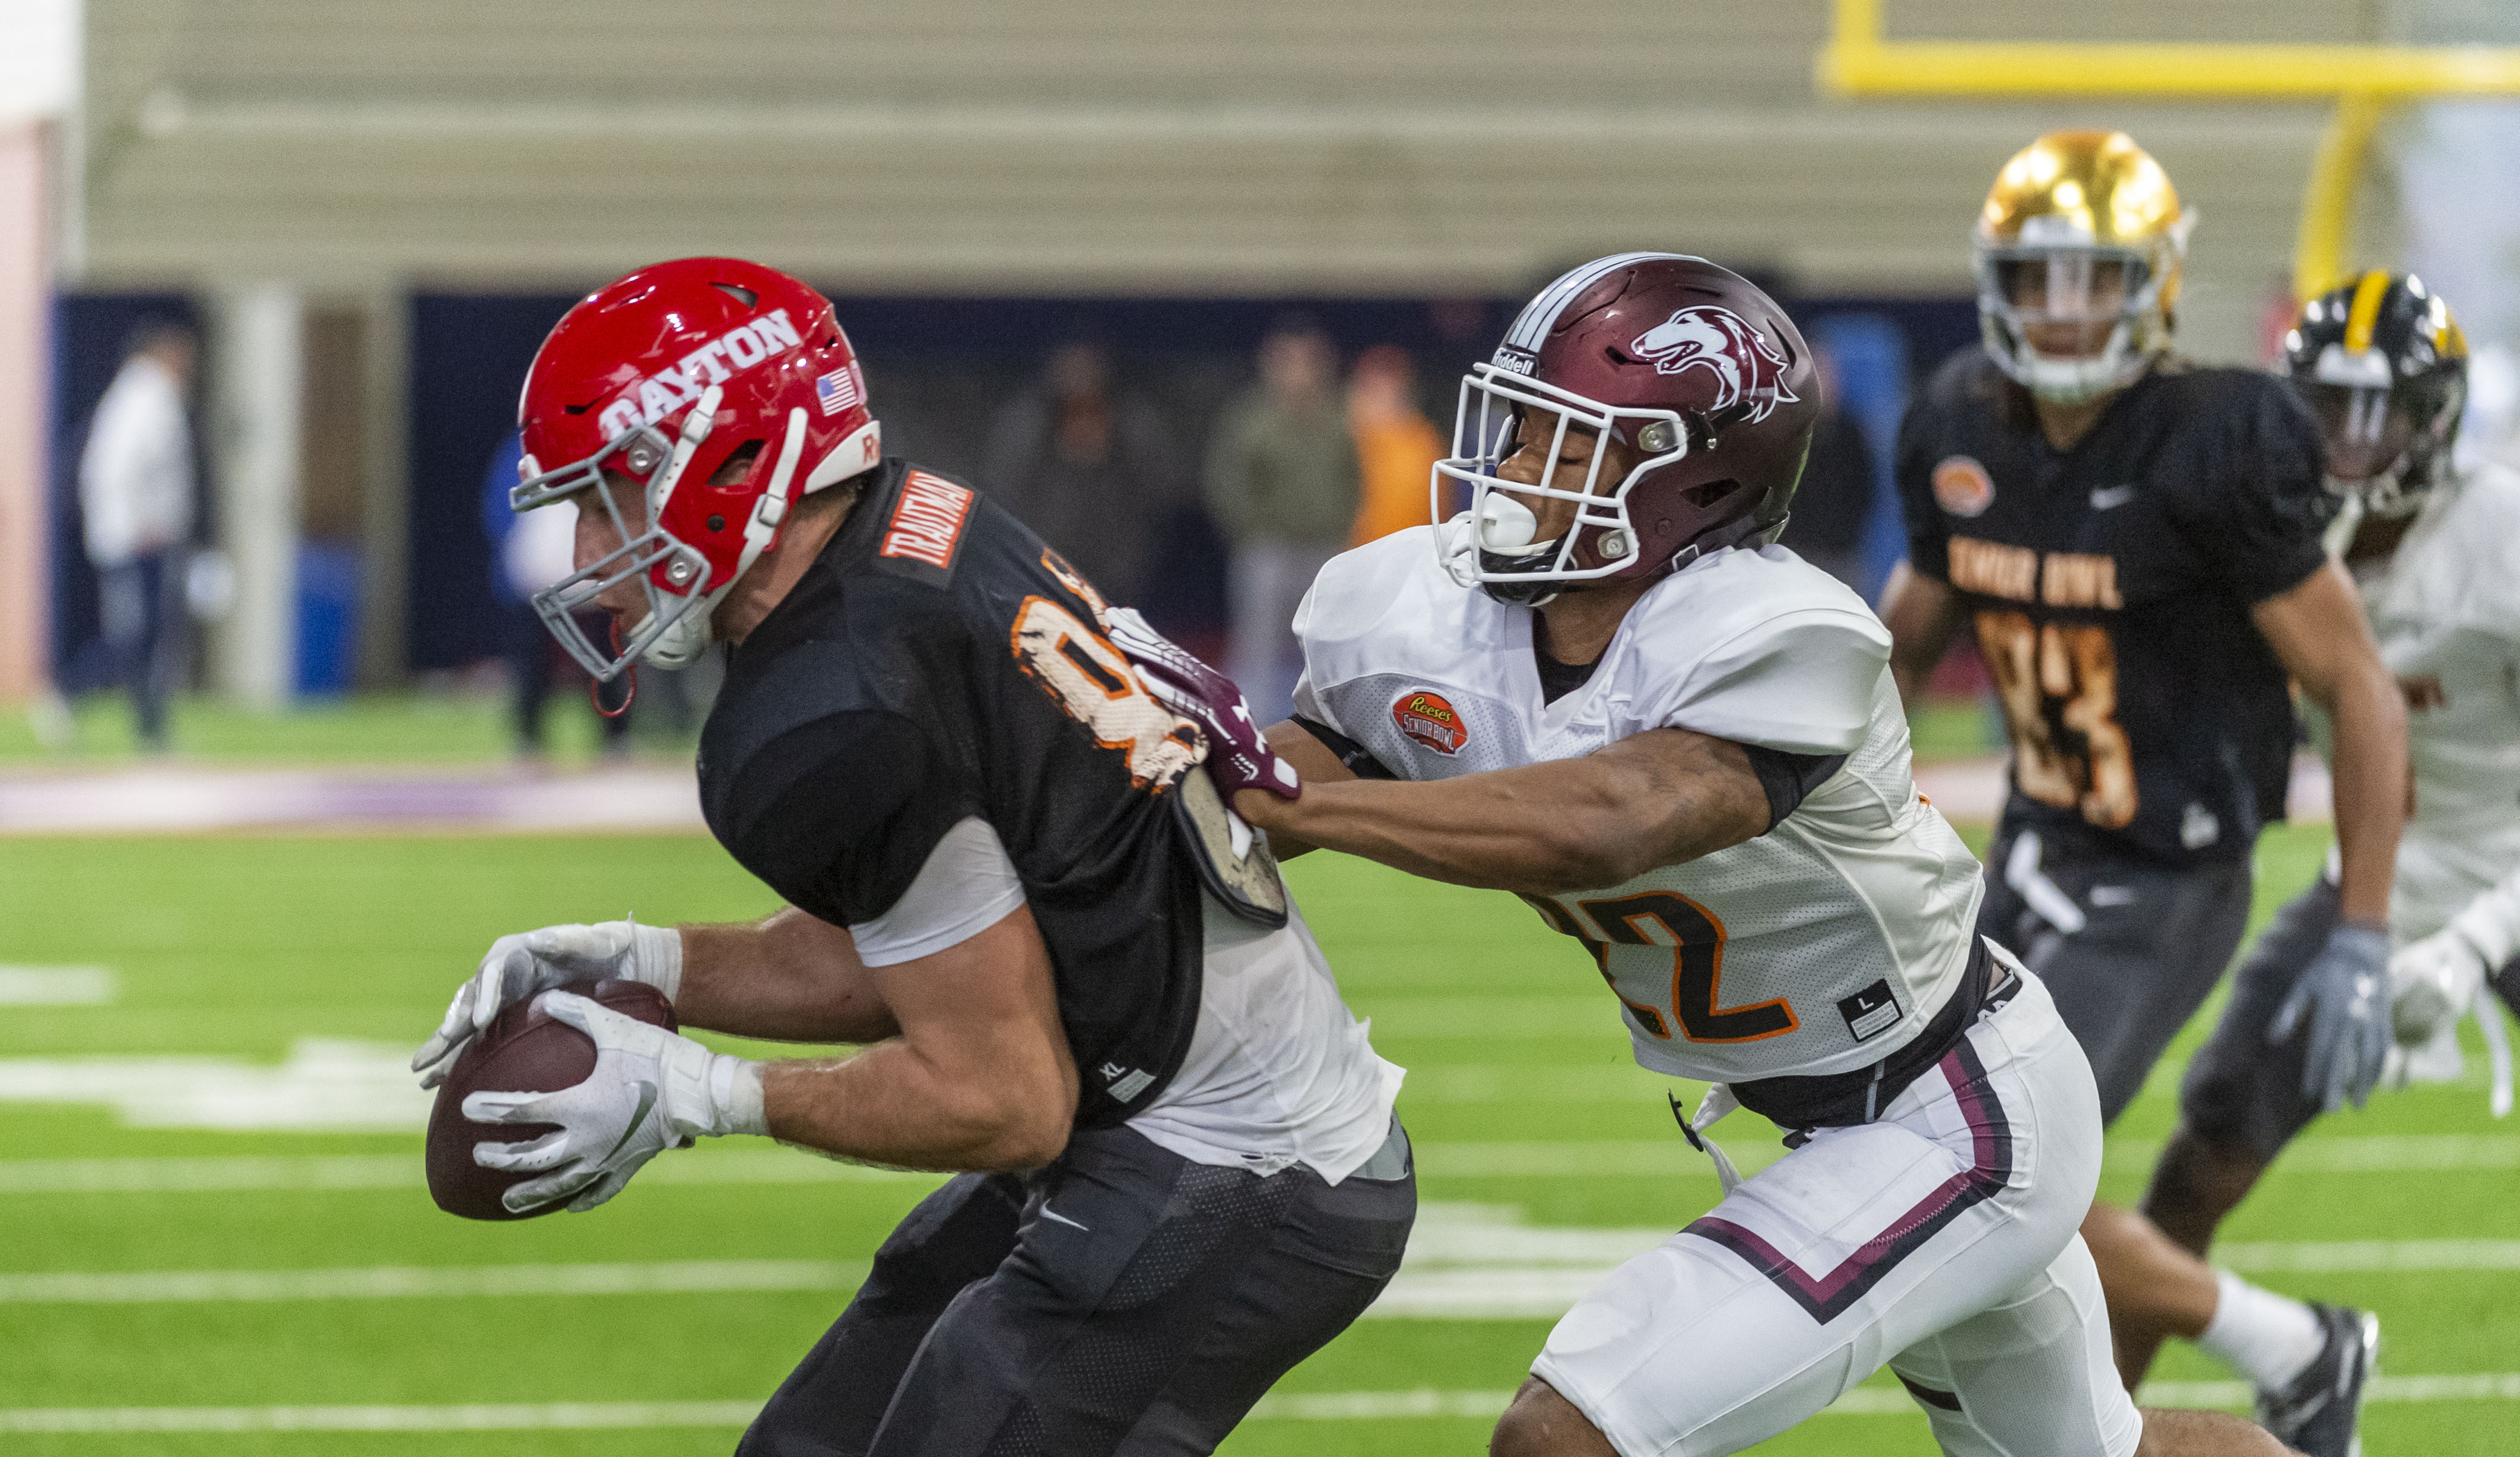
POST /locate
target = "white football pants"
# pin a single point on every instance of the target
(1940, 1240)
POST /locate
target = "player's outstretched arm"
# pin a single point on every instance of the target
(2317, 632)
(788, 978)
(1659, 798)
(1316, 763)
(979, 1076)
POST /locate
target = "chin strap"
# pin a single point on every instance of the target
(629, 682)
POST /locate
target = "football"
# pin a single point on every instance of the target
(523, 1050)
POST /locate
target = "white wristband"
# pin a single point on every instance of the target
(656, 957)
(735, 1086)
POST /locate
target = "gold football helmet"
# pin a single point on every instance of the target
(2077, 255)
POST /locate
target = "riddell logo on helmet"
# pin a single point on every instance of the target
(1748, 369)
(714, 363)
(1428, 718)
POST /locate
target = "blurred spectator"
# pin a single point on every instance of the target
(1396, 446)
(1090, 469)
(1281, 482)
(1836, 495)
(136, 496)
(528, 553)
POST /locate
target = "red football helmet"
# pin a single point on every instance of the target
(665, 376)
(1692, 368)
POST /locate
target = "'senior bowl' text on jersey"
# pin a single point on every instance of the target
(2111, 585)
(937, 663)
(1814, 948)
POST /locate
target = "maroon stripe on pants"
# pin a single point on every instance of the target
(1826, 1297)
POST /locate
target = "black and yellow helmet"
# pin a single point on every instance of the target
(2384, 367)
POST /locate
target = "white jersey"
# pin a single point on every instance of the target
(2447, 610)
(1278, 1071)
(1814, 948)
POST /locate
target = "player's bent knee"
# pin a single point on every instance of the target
(1539, 1423)
(2199, 1179)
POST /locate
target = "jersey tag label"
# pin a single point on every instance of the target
(1963, 488)
(925, 532)
(1872, 1011)
(1125, 1084)
(1429, 718)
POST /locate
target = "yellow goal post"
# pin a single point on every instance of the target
(2364, 81)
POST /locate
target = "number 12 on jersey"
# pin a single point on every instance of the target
(1694, 939)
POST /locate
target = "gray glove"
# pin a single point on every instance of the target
(2345, 993)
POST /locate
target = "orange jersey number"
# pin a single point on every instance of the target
(2080, 759)
(1695, 939)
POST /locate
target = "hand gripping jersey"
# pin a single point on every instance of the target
(937, 663)
(2111, 586)
(2447, 610)
(1815, 948)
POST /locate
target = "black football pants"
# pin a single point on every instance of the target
(2241, 1092)
(1123, 1300)
(2129, 948)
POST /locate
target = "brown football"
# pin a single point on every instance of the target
(523, 1050)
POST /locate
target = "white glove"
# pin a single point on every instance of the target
(519, 966)
(651, 1090)
(2432, 984)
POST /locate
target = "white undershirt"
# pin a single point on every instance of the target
(1278, 1072)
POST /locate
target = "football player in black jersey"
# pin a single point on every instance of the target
(1077, 978)
(2136, 543)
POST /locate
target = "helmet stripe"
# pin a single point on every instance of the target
(1531, 327)
(2364, 316)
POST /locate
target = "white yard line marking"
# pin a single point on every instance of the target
(1670, 1159)
(1298, 1406)
(56, 987)
(324, 1084)
(482, 1418)
(1466, 1261)
(288, 1172)
(2370, 1256)
(176, 800)
(401, 1282)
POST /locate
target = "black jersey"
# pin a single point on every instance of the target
(938, 662)
(2111, 586)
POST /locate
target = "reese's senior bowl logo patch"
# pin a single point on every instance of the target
(1428, 718)
(1961, 487)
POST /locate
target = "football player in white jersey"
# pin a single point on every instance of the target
(2436, 553)
(1603, 689)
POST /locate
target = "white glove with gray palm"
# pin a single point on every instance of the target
(651, 1090)
(2432, 984)
(521, 965)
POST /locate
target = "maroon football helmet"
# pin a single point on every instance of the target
(665, 376)
(1691, 367)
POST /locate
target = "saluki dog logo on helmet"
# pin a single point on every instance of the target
(1746, 367)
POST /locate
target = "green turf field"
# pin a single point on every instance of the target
(437, 730)
(249, 964)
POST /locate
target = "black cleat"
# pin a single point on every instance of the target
(2320, 1412)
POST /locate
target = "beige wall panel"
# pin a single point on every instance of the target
(1142, 146)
